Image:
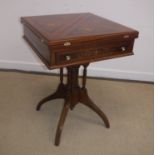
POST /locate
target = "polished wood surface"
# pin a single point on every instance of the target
(57, 28)
(72, 93)
(71, 41)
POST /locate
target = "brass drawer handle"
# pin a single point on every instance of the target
(67, 43)
(68, 57)
(126, 36)
(123, 48)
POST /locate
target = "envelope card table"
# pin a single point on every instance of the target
(74, 40)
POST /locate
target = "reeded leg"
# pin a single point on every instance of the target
(61, 122)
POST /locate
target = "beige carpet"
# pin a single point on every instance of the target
(24, 131)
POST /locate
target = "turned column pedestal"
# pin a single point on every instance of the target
(72, 94)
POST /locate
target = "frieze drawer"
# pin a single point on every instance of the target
(94, 54)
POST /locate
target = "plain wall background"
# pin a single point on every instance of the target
(137, 14)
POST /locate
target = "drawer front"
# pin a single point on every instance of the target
(94, 54)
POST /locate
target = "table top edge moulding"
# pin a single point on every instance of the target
(73, 40)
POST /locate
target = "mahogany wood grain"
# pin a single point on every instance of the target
(52, 36)
(85, 26)
(72, 40)
(72, 94)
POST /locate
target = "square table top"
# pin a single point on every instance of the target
(60, 27)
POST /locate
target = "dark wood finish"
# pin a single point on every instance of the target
(72, 40)
(37, 45)
(57, 28)
(72, 93)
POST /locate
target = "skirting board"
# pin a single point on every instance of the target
(92, 71)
